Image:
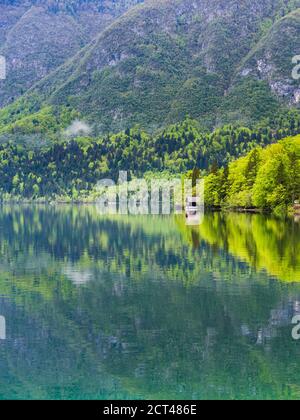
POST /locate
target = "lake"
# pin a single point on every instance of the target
(145, 307)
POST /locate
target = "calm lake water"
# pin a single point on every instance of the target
(109, 307)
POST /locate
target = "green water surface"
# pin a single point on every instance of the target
(125, 307)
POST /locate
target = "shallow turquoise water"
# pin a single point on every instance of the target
(107, 307)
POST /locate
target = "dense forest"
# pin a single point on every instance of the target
(71, 167)
(267, 178)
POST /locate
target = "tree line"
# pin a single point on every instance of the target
(72, 167)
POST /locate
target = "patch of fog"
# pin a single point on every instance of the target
(78, 128)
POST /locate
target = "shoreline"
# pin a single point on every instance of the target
(42, 202)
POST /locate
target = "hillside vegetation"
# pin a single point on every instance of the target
(37, 36)
(71, 168)
(220, 62)
(185, 85)
(266, 178)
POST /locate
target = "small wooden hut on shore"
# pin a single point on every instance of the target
(297, 208)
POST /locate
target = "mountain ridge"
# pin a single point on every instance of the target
(39, 35)
(162, 60)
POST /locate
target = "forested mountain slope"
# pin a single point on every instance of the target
(218, 61)
(36, 36)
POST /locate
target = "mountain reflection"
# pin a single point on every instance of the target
(146, 307)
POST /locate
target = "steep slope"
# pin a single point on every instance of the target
(271, 59)
(165, 59)
(36, 36)
(264, 82)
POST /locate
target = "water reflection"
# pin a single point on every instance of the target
(2, 328)
(264, 242)
(146, 307)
